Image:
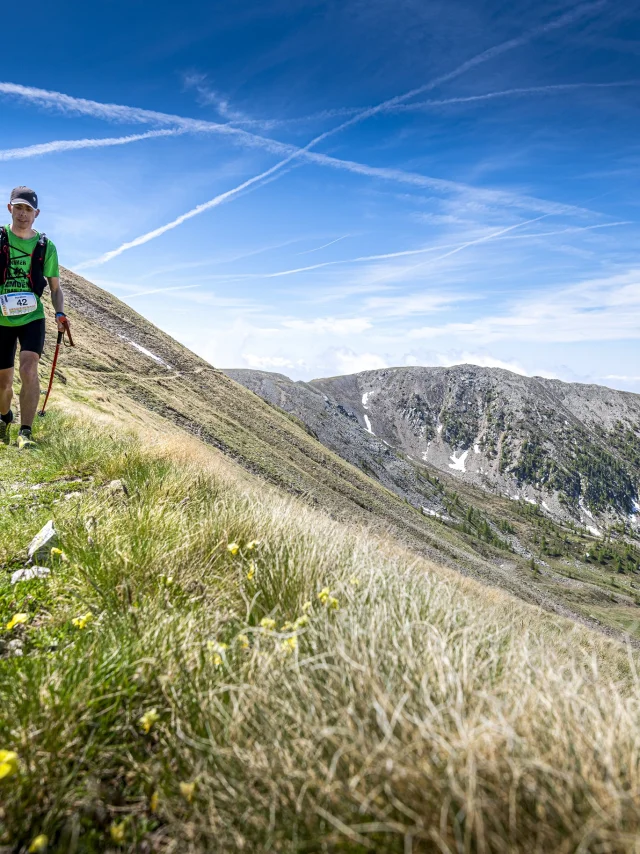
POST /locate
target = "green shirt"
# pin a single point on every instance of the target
(18, 274)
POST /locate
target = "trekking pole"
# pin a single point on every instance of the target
(55, 362)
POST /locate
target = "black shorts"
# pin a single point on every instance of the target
(30, 336)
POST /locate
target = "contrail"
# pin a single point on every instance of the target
(67, 104)
(385, 256)
(421, 106)
(72, 144)
(212, 203)
(505, 93)
(115, 112)
(485, 56)
(324, 245)
(479, 59)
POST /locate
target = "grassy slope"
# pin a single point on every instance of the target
(424, 713)
(108, 373)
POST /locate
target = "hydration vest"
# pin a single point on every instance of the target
(37, 280)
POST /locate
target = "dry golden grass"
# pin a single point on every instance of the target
(419, 712)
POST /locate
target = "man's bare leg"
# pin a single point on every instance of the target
(6, 390)
(30, 390)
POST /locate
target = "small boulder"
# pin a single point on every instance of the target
(29, 573)
(41, 545)
(117, 487)
(14, 647)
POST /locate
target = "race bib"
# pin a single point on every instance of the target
(13, 305)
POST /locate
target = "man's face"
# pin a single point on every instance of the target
(23, 215)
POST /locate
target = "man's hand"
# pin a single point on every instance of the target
(62, 321)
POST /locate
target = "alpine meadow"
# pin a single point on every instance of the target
(246, 643)
(320, 427)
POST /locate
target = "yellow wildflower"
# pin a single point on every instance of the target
(268, 624)
(289, 645)
(251, 546)
(39, 844)
(117, 832)
(301, 622)
(218, 649)
(333, 603)
(307, 606)
(252, 570)
(81, 622)
(323, 595)
(354, 581)
(58, 553)
(17, 620)
(153, 802)
(187, 790)
(234, 548)
(286, 627)
(8, 763)
(243, 640)
(148, 719)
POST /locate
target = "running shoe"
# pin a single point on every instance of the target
(25, 440)
(5, 430)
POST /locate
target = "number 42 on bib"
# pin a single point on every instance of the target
(13, 305)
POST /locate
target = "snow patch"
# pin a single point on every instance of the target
(439, 428)
(592, 530)
(429, 512)
(146, 352)
(368, 423)
(546, 506)
(458, 463)
(365, 399)
(476, 448)
(585, 511)
(636, 506)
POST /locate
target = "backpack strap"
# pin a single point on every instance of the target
(36, 273)
(4, 254)
(41, 249)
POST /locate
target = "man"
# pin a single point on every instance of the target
(28, 261)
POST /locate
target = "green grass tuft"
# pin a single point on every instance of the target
(412, 711)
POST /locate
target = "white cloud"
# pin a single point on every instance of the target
(349, 362)
(418, 303)
(595, 310)
(330, 325)
(446, 360)
(265, 363)
(621, 377)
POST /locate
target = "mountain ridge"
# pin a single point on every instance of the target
(136, 374)
(573, 447)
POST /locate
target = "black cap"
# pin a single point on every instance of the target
(24, 196)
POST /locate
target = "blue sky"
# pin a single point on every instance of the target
(318, 188)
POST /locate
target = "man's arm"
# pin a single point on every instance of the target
(57, 298)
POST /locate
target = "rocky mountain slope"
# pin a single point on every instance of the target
(135, 376)
(572, 449)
